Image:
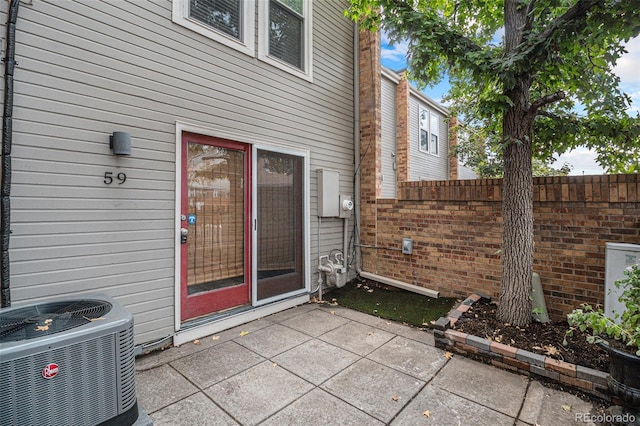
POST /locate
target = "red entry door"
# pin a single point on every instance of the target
(215, 225)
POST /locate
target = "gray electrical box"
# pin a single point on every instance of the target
(328, 193)
(407, 246)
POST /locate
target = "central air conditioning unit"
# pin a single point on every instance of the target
(68, 362)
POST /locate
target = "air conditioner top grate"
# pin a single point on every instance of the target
(45, 319)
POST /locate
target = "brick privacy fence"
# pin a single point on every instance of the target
(456, 227)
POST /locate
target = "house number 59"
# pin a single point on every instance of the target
(109, 177)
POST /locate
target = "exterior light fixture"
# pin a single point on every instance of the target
(120, 143)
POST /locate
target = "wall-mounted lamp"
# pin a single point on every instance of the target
(120, 143)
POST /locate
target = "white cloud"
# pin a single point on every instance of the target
(629, 64)
(582, 160)
(393, 56)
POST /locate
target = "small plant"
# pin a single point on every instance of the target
(627, 329)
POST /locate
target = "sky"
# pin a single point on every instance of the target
(582, 160)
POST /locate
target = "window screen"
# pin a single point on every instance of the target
(222, 15)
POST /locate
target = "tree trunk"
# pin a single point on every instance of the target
(517, 213)
(517, 201)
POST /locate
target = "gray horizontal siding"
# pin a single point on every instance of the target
(88, 68)
(426, 166)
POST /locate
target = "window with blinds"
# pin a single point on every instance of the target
(222, 15)
(286, 31)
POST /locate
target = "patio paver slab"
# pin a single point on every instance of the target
(215, 364)
(410, 357)
(258, 393)
(374, 388)
(546, 406)
(358, 338)
(316, 322)
(194, 410)
(316, 361)
(321, 408)
(497, 389)
(273, 340)
(149, 384)
(435, 406)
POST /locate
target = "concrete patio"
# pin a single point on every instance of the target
(328, 365)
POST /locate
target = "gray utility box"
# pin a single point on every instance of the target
(618, 257)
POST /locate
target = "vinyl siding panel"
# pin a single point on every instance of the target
(426, 166)
(465, 172)
(388, 100)
(88, 68)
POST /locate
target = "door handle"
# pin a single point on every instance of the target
(183, 235)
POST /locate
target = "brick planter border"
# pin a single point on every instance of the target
(517, 360)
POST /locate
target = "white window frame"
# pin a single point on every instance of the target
(247, 43)
(263, 41)
(434, 117)
(422, 109)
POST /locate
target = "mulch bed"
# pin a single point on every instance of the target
(545, 339)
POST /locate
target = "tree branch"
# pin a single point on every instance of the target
(546, 100)
(537, 44)
(452, 43)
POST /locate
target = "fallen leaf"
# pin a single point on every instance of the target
(275, 364)
(448, 355)
(566, 407)
(551, 350)
(333, 312)
(86, 318)
(215, 337)
(243, 333)
(395, 397)
(427, 413)
(49, 320)
(42, 328)
(366, 287)
(370, 291)
(196, 342)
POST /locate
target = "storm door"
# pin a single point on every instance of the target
(279, 213)
(215, 225)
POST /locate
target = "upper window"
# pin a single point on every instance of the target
(424, 129)
(230, 22)
(429, 128)
(285, 35)
(434, 128)
(221, 15)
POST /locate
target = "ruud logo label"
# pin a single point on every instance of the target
(50, 371)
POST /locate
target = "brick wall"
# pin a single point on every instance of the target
(457, 229)
(403, 135)
(370, 161)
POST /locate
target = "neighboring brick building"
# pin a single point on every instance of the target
(456, 225)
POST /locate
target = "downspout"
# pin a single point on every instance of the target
(356, 144)
(7, 134)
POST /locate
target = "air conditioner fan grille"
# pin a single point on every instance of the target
(45, 319)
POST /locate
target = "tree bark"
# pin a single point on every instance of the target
(517, 204)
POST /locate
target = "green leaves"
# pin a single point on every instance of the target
(562, 45)
(627, 329)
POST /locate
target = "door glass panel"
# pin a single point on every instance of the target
(279, 201)
(216, 217)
